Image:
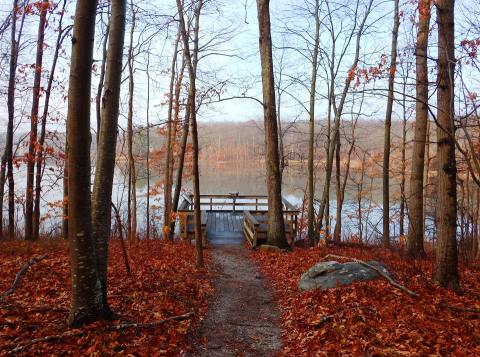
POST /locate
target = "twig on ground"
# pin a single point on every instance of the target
(20, 274)
(379, 271)
(108, 328)
(327, 318)
(460, 308)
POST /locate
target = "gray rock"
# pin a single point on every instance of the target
(326, 275)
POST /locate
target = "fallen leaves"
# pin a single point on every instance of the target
(164, 283)
(373, 318)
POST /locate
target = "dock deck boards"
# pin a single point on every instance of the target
(225, 228)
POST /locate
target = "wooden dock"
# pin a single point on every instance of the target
(232, 218)
(225, 228)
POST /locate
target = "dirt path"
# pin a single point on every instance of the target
(243, 317)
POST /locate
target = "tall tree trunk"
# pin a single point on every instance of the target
(416, 215)
(107, 145)
(388, 125)
(446, 270)
(276, 228)
(61, 34)
(311, 129)
(131, 160)
(148, 146)
(14, 45)
(32, 144)
(8, 154)
(404, 162)
(167, 197)
(192, 62)
(86, 288)
(337, 234)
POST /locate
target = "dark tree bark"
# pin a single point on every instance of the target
(276, 228)
(86, 288)
(446, 270)
(32, 144)
(388, 125)
(416, 226)
(107, 144)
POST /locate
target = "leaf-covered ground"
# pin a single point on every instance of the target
(373, 318)
(164, 283)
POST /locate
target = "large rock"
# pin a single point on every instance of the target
(326, 275)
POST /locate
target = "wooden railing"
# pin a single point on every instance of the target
(232, 201)
(255, 226)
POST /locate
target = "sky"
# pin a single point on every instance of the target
(234, 59)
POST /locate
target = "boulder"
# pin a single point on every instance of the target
(270, 248)
(326, 275)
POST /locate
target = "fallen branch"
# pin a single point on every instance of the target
(460, 308)
(379, 271)
(108, 328)
(20, 275)
(327, 318)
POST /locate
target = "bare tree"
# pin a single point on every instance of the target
(192, 61)
(61, 34)
(276, 228)
(32, 144)
(86, 290)
(416, 226)
(107, 144)
(446, 270)
(388, 125)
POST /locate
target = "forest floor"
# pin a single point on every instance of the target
(164, 283)
(374, 318)
(243, 317)
(244, 303)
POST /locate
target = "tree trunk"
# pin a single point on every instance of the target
(404, 162)
(86, 288)
(107, 144)
(388, 125)
(337, 233)
(148, 147)
(32, 144)
(446, 270)
(14, 45)
(311, 129)
(416, 226)
(167, 197)
(131, 160)
(276, 228)
(192, 61)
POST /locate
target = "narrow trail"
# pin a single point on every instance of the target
(243, 318)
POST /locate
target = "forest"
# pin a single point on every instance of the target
(239, 178)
